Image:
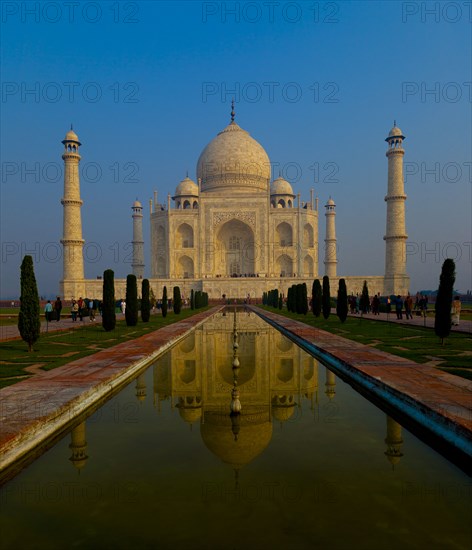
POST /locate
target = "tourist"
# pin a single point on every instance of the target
(91, 311)
(408, 306)
(58, 308)
(399, 306)
(74, 310)
(123, 307)
(423, 305)
(48, 311)
(456, 311)
(389, 305)
(80, 303)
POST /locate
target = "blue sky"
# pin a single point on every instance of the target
(148, 84)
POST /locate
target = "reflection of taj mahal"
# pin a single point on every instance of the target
(234, 231)
(277, 380)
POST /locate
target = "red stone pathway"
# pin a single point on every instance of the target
(33, 410)
(433, 393)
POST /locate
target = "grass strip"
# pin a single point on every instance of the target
(56, 349)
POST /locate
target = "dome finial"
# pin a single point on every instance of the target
(394, 123)
(71, 126)
(232, 110)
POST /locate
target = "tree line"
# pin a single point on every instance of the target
(29, 320)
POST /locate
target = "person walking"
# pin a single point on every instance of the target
(399, 307)
(408, 306)
(80, 311)
(58, 308)
(91, 311)
(74, 310)
(48, 311)
(456, 311)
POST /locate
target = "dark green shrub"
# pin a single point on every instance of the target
(145, 301)
(108, 301)
(29, 323)
(131, 312)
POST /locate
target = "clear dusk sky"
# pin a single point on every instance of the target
(148, 84)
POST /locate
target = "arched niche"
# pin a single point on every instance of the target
(284, 234)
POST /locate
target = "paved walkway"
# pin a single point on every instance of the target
(33, 410)
(439, 402)
(428, 322)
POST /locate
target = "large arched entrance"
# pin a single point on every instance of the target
(235, 250)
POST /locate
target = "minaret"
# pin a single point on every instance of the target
(72, 285)
(330, 260)
(138, 242)
(395, 237)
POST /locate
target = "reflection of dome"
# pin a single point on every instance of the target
(233, 160)
(254, 436)
(283, 407)
(187, 187)
(281, 187)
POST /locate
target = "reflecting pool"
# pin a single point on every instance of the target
(308, 462)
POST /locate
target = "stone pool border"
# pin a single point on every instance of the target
(437, 402)
(33, 411)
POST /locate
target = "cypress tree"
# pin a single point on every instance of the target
(192, 299)
(281, 302)
(341, 305)
(275, 301)
(145, 301)
(177, 301)
(29, 323)
(442, 316)
(131, 312)
(326, 298)
(290, 299)
(364, 300)
(304, 298)
(164, 302)
(108, 301)
(317, 294)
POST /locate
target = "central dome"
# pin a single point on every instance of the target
(234, 161)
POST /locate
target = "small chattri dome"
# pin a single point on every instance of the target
(330, 202)
(395, 132)
(71, 136)
(187, 187)
(280, 186)
(137, 204)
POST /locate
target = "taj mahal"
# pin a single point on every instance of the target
(233, 232)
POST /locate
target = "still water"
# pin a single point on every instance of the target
(308, 463)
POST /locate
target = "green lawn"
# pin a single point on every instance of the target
(55, 349)
(415, 343)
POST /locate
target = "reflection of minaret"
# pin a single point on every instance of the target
(394, 442)
(395, 237)
(330, 260)
(138, 241)
(78, 446)
(72, 241)
(330, 384)
(141, 387)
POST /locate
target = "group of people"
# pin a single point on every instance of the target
(79, 308)
(400, 305)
